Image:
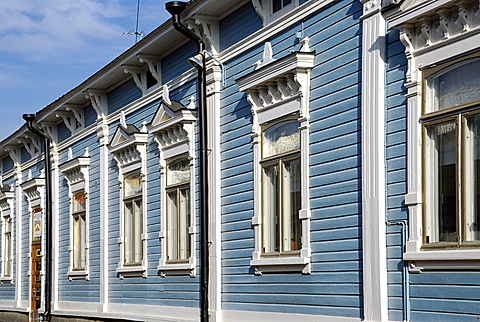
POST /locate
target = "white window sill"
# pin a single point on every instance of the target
(132, 271)
(448, 259)
(6, 280)
(78, 275)
(281, 264)
(177, 269)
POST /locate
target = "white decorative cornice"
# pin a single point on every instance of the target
(138, 74)
(33, 188)
(75, 170)
(15, 154)
(73, 117)
(99, 101)
(153, 62)
(31, 144)
(207, 28)
(279, 81)
(6, 201)
(128, 148)
(172, 128)
(50, 129)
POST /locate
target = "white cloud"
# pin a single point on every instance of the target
(42, 30)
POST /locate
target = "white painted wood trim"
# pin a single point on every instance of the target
(18, 237)
(134, 312)
(102, 133)
(373, 165)
(242, 316)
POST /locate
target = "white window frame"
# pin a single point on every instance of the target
(280, 89)
(425, 49)
(77, 174)
(129, 151)
(6, 207)
(174, 132)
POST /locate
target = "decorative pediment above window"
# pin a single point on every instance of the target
(128, 145)
(76, 172)
(277, 82)
(6, 200)
(173, 122)
(33, 189)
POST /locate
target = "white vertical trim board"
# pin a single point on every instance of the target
(373, 164)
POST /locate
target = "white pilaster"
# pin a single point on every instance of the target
(214, 81)
(102, 133)
(373, 163)
(55, 222)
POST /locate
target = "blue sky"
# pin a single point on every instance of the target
(49, 47)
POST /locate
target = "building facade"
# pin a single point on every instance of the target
(342, 162)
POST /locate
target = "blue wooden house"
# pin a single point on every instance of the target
(342, 156)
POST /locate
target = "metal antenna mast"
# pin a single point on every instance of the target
(136, 32)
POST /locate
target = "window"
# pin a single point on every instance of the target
(128, 146)
(6, 206)
(178, 211)
(173, 127)
(452, 156)
(76, 172)
(79, 231)
(279, 93)
(7, 247)
(133, 219)
(442, 104)
(281, 193)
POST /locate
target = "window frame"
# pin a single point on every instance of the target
(7, 214)
(460, 115)
(279, 160)
(82, 249)
(133, 199)
(77, 174)
(128, 146)
(266, 92)
(425, 53)
(177, 188)
(175, 121)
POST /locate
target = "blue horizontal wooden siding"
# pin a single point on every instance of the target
(7, 164)
(395, 149)
(63, 132)
(80, 290)
(233, 28)
(176, 63)
(123, 95)
(334, 287)
(90, 115)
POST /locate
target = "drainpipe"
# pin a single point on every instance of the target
(405, 272)
(175, 8)
(29, 118)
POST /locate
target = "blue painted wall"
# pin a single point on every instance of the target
(396, 158)
(234, 29)
(334, 287)
(176, 63)
(123, 95)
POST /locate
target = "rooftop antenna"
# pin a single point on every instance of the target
(136, 32)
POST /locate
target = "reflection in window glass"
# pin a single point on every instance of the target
(441, 192)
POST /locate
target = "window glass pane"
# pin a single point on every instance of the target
(79, 202)
(292, 227)
(184, 223)
(271, 211)
(172, 225)
(472, 179)
(79, 241)
(280, 138)
(178, 171)
(459, 85)
(441, 183)
(128, 233)
(133, 184)
(7, 264)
